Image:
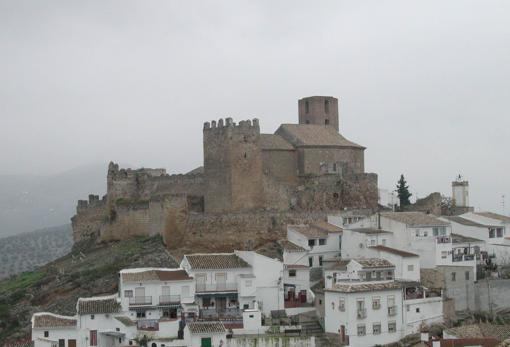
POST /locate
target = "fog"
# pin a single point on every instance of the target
(424, 85)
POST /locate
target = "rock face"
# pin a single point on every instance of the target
(249, 181)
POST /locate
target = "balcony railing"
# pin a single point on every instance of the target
(140, 301)
(463, 257)
(227, 314)
(362, 313)
(148, 324)
(169, 299)
(216, 287)
(392, 310)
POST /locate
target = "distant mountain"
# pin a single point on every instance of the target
(33, 202)
(27, 251)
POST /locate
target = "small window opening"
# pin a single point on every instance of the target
(326, 106)
(307, 107)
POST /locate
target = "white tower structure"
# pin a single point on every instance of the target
(460, 192)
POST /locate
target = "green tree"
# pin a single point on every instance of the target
(403, 193)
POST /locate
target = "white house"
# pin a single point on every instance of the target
(365, 305)
(364, 314)
(51, 330)
(355, 241)
(322, 240)
(423, 234)
(226, 283)
(489, 227)
(205, 334)
(296, 275)
(407, 264)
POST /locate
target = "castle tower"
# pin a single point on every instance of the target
(232, 166)
(320, 110)
(460, 192)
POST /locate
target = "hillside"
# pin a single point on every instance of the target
(27, 251)
(84, 272)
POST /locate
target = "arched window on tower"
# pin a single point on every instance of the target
(307, 107)
(326, 106)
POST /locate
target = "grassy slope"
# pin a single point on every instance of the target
(85, 272)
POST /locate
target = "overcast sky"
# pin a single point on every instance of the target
(424, 85)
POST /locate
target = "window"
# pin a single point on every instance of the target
(454, 275)
(46, 334)
(492, 233)
(320, 260)
(140, 314)
(307, 107)
(130, 342)
(206, 301)
(320, 302)
(442, 231)
(326, 107)
(333, 305)
(417, 310)
(444, 254)
(384, 242)
(410, 267)
(372, 242)
(322, 242)
(246, 306)
(249, 283)
(310, 261)
(376, 303)
(417, 233)
(292, 273)
(390, 275)
(362, 330)
(392, 327)
(376, 328)
(128, 293)
(61, 343)
(311, 242)
(341, 304)
(117, 329)
(408, 308)
(466, 275)
(93, 337)
(435, 231)
(326, 121)
(391, 301)
(425, 233)
(499, 232)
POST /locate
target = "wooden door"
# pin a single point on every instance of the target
(71, 343)
(221, 304)
(206, 342)
(342, 333)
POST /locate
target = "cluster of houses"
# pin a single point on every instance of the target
(359, 275)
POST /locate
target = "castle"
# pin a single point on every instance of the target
(249, 181)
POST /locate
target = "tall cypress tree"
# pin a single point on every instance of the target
(403, 192)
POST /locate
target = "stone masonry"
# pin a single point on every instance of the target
(250, 182)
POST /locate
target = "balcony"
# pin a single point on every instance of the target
(463, 257)
(148, 324)
(227, 314)
(169, 299)
(362, 313)
(140, 301)
(443, 239)
(392, 311)
(216, 287)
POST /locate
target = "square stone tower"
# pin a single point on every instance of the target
(319, 110)
(232, 166)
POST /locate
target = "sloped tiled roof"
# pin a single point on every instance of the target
(98, 305)
(206, 327)
(372, 263)
(370, 231)
(363, 287)
(318, 229)
(126, 321)
(457, 238)
(216, 261)
(469, 342)
(291, 247)
(414, 218)
(395, 251)
(464, 221)
(336, 265)
(497, 216)
(312, 135)
(53, 321)
(273, 142)
(500, 332)
(156, 275)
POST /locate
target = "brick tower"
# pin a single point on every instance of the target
(319, 110)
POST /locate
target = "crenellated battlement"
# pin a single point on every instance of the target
(92, 202)
(228, 123)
